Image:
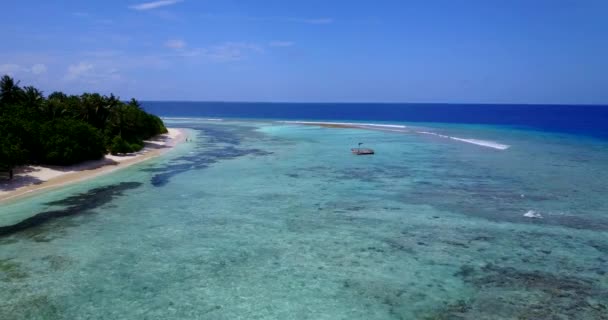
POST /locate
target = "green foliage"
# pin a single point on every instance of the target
(67, 141)
(12, 152)
(65, 129)
(121, 146)
(9, 91)
(15, 135)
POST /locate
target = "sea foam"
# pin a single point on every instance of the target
(404, 129)
(190, 119)
(533, 214)
(353, 124)
(479, 142)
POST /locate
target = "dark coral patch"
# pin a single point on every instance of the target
(219, 143)
(77, 204)
(529, 295)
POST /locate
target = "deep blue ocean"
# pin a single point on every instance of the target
(574, 119)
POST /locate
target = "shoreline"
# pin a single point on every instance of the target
(31, 180)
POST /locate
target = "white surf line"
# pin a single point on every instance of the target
(483, 143)
(399, 128)
(193, 118)
(395, 128)
(357, 124)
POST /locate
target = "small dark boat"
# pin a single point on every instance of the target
(362, 152)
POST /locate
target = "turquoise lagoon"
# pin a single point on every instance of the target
(268, 220)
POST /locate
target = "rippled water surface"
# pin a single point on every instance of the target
(265, 220)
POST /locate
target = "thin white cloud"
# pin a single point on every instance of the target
(106, 59)
(76, 71)
(281, 43)
(104, 39)
(232, 51)
(315, 20)
(85, 16)
(85, 72)
(312, 20)
(191, 53)
(38, 68)
(13, 69)
(10, 68)
(321, 20)
(223, 52)
(153, 5)
(103, 53)
(105, 21)
(176, 44)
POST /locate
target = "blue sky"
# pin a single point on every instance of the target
(517, 51)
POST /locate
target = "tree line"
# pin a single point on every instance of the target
(65, 129)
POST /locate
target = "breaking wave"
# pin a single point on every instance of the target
(402, 129)
(347, 124)
(190, 119)
(533, 214)
(479, 142)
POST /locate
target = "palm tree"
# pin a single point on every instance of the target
(52, 108)
(105, 110)
(58, 95)
(134, 103)
(32, 98)
(55, 106)
(96, 109)
(116, 121)
(10, 92)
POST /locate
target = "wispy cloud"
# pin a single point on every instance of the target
(295, 20)
(105, 21)
(80, 14)
(176, 44)
(232, 51)
(38, 68)
(99, 38)
(109, 53)
(13, 69)
(10, 68)
(78, 70)
(85, 16)
(281, 43)
(120, 60)
(89, 73)
(223, 52)
(154, 4)
(313, 20)
(321, 20)
(310, 20)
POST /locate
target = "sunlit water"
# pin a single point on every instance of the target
(263, 220)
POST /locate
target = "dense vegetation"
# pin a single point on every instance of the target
(65, 129)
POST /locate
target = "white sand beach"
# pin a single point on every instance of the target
(29, 180)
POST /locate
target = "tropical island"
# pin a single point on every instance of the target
(65, 131)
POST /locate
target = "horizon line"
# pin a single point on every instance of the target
(387, 103)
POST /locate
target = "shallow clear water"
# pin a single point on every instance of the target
(261, 220)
